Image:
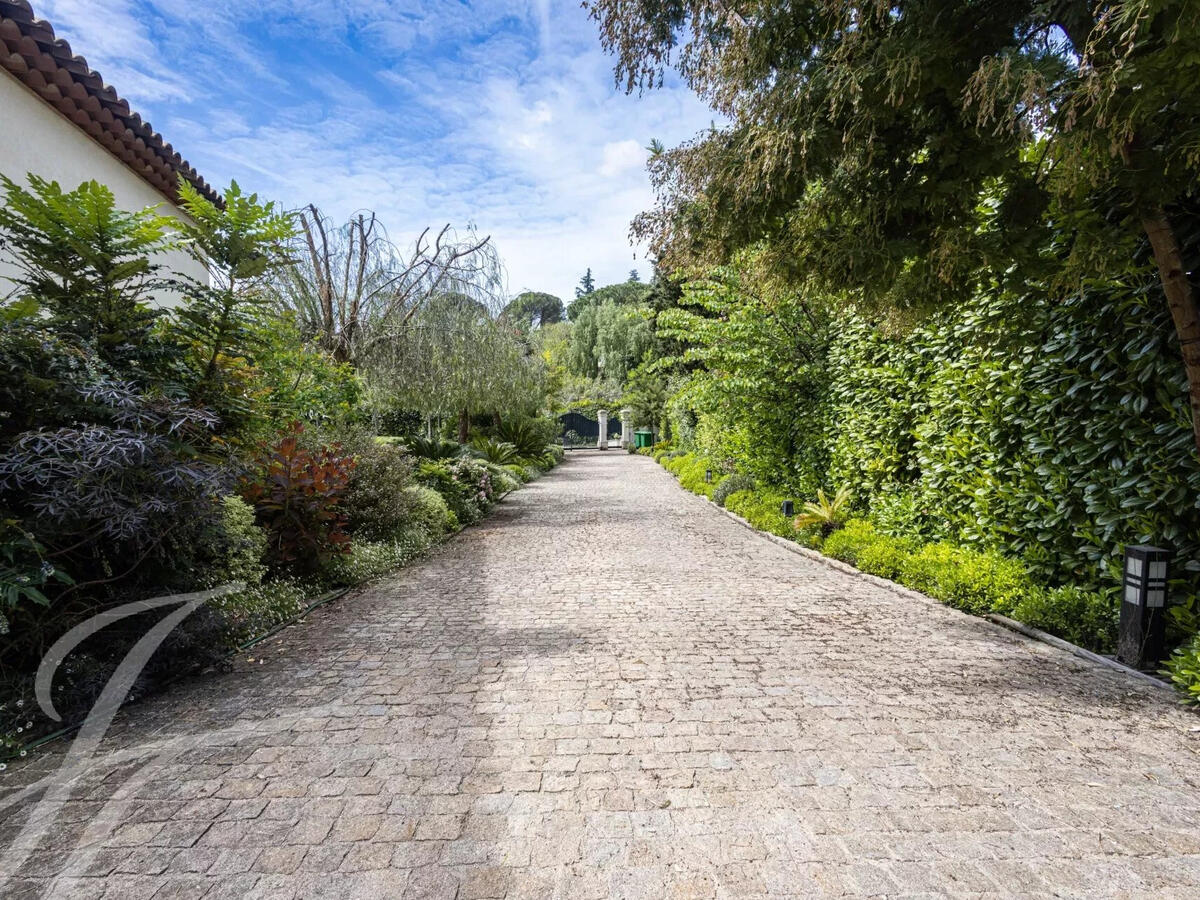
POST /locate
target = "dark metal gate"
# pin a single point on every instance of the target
(577, 431)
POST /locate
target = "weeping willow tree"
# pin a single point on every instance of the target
(454, 357)
(423, 325)
(350, 286)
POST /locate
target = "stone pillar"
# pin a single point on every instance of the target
(626, 428)
(602, 439)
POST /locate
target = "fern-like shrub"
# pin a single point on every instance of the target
(500, 452)
(433, 448)
(530, 435)
(826, 514)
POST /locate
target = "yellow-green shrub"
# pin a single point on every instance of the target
(431, 513)
(762, 509)
(970, 580)
(847, 543)
(1087, 618)
(731, 484)
(967, 579)
(859, 544)
(1184, 670)
(691, 475)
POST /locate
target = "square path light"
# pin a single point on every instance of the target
(1141, 637)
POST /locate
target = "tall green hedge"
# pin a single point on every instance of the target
(1051, 430)
(1056, 431)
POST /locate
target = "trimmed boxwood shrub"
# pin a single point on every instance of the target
(1183, 668)
(859, 544)
(690, 469)
(731, 484)
(762, 509)
(967, 579)
(973, 580)
(1086, 618)
(430, 512)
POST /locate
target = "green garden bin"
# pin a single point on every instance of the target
(642, 438)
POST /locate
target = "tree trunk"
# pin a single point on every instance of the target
(1181, 300)
(464, 425)
(1077, 20)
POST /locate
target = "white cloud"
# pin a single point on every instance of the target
(501, 114)
(117, 41)
(621, 157)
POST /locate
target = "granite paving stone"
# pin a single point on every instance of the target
(611, 689)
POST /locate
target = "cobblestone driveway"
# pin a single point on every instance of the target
(610, 689)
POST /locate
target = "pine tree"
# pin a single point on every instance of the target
(587, 284)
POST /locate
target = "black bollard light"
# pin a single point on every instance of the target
(1141, 637)
(788, 508)
(708, 476)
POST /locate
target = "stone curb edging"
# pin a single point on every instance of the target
(1038, 635)
(994, 618)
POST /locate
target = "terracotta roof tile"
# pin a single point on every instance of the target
(32, 54)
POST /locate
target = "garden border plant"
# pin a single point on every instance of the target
(304, 608)
(160, 448)
(985, 585)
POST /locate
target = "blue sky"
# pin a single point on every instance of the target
(502, 115)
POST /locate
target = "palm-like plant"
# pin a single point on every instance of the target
(826, 514)
(502, 453)
(523, 434)
(433, 448)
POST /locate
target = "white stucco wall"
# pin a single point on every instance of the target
(35, 137)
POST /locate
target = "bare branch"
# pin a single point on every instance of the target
(365, 286)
